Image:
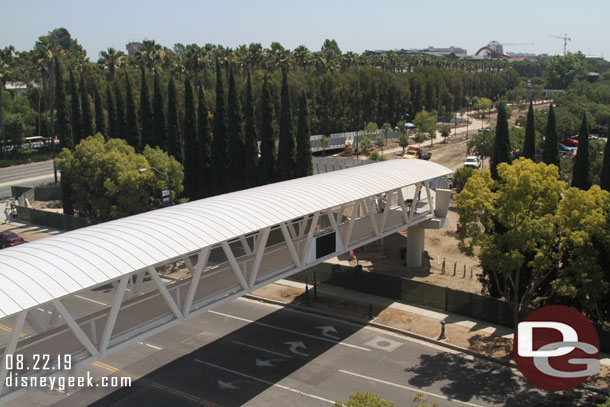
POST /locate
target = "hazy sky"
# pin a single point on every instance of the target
(356, 25)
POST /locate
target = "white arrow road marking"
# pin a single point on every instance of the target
(268, 383)
(267, 363)
(327, 329)
(294, 345)
(230, 385)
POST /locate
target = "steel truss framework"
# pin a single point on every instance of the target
(145, 302)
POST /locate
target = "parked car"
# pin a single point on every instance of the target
(472, 161)
(563, 147)
(570, 142)
(8, 239)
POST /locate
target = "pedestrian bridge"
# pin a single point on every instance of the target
(90, 292)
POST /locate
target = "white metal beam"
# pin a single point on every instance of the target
(236, 270)
(310, 234)
(333, 223)
(163, 290)
(373, 215)
(12, 344)
(195, 277)
(114, 312)
(290, 244)
(414, 202)
(76, 330)
(386, 209)
(245, 245)
(427, 184)
(260, 251)
(292, 230)
(403, 207)
(350, 226)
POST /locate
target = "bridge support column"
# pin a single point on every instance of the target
(415, 246)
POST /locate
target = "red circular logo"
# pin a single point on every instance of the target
(556, 348)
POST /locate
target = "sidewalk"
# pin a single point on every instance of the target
(466, 335)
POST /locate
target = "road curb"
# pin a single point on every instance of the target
(364, 322)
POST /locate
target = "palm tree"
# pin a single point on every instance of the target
(111, 59)
(148, 54)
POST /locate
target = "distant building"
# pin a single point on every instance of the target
(444, 52)
(133, 47)
(17, 88)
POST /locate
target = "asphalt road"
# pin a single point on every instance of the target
(27, 175)
(254, 354)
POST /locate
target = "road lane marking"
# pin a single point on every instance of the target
(89, 299)
(290, 330)
(408, 388)
(150, 345)
(263, 349)
(7, 329)
(105, 366)
(302, 393)
(184, 395)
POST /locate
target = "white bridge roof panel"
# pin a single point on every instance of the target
(100, 253)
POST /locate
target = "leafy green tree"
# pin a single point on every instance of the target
(63, 127)
(460, 177)
(403, 141)
(445, 132)
(220, 142)
(105, 180)
(420, 137)
(513, 225)
(267, 164)
(581, 177)
(132, 130)
(250, 144)
(175, 142)
(120, 112)
(205, 146)
(236, 136)
(6, 62)
(529, 145)
(100, 121)
(192, 170)
(364, 400)
(502, 151)
(604, 179)
(366, 145)
(324, 143)
(304, 166)
(564, 70)
(482, 104)
(146, 114)
(77, 120)
(426, 123)
(584, 251)
(159, 124)
(550, 154)
(380, 143)
(287, 147)
(85, 102)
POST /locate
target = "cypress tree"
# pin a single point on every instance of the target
(529, 144)
(550, 154)
(191, 147)
(63, 127)
(174, 139)
(267, 163)
(146, 115)
(85, 104)
(132, 131)
(100, 123)
(250, 145)
(604, 179)
(159, 126)
(77, 120)
(287, 149)
(120, 112)
(581, 175)
(501, 152)
(236, 137)
(220, 143)
(205, 146)
(304, 166)
(113, 131)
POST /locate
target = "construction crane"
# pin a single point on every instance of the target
(565, 39)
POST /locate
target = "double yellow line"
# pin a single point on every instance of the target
(105, 366)
(184, 395)
(10, 330)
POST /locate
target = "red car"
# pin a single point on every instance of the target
(570, 142)
(8, 239)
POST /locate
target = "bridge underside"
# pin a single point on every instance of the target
(96, 322)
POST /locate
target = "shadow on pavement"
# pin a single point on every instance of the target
(488, 382)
